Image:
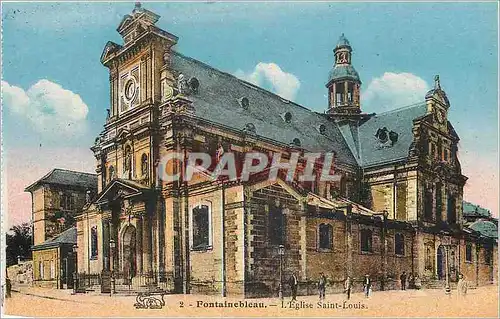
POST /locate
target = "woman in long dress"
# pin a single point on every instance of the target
(462, 285)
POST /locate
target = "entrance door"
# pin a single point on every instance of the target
(441, 263)
(129, 253)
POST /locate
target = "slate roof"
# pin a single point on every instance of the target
(218, 99)
(485, 228)
(343, 42)
(400, 121)
(66, 237)
(343, 71)
(471, 210)
(66, 178)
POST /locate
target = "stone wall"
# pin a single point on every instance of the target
(263, 260)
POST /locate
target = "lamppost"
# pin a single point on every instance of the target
(112, 245)
(75, 270)
(447, 288)
(281, 253)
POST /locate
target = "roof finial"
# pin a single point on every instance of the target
(437, 83)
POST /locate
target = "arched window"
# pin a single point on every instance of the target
(366, 240)
(325, 236)
(111, 173)
(399, 244)
(93, 242)
(276, 225)
(201, 227)
(468, 252)
(144, 166)
(127, 162)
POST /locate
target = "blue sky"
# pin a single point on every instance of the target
(398, 48)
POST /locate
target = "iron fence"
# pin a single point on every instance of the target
(128, 282)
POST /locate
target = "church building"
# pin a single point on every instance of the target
(397, 206)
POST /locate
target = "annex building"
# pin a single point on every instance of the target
(398, 206)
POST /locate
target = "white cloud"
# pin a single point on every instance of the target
(48, 107)
(270, 75)
(393, 90)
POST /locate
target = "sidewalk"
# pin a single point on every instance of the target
(38, 302)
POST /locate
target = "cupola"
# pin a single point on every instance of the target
(343, 82)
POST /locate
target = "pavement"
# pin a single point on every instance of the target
(38, 302)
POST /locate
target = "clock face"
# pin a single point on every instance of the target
(130, 89)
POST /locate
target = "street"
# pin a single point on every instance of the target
(481, 302)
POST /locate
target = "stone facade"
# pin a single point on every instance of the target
(56, 199)
(396, 208)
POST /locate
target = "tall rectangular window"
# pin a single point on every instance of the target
(52, 269)
(325, 234)
(428, 202)
(452, 209)
(276, 225)
(401, 201)
(399, 244)
(93, 242)
(366, 240)
(201, 228)
(468, 252)
(40, 270)
(439, 202)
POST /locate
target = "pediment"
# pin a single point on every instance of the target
(109, 49)
(125, 23)
(119, 189)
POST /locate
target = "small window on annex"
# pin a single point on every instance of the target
(325, 236)
(201, 225)
(366, 240)
(468, 252)
(399, 244)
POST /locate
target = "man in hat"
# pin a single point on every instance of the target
(367, 285)
(322, 286)
(348, 287)
(294, 282)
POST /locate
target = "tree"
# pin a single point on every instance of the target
(18, 243)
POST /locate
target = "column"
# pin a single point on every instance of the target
(349, 241)
(105, 244)
(334, 95)
(146, 238)
(140, 269)
(345, 92)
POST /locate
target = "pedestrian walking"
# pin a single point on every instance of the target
(322, 286)
(418, 282)
(348, 287)
(462, 286)
(367, 285)
(403, 280)
(294, 282)
(8, 288)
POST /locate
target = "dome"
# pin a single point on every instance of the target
(343, 72)
(342, 42)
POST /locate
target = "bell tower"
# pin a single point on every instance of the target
(343, 84)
